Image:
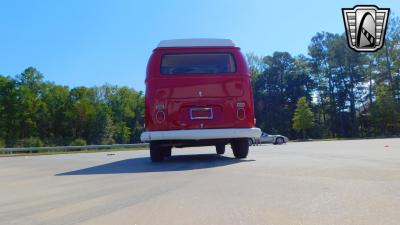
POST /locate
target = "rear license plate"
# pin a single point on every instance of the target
(201, 114)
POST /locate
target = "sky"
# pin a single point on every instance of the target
(96, 42)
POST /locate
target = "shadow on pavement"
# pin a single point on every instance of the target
(144, 165)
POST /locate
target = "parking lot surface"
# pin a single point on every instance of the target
(327, 182)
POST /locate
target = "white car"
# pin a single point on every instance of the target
(275, 139)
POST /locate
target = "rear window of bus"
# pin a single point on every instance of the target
(197, 63)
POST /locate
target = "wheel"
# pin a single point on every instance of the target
(240, 147)
(167, 151)
(279, 141)
(220, 149)
(251, 142)
(156, 152)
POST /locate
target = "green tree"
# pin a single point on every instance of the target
(81, 112)
(387, 59)
(303, 118)
(256, 64)
(9, 121)
(122, 133)
(29, 90)
(127, 109)
(53, 124)
(102, 129)
(277, 84)
(36, 112)
(340, 75)
(385, 112)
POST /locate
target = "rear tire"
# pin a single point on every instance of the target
(156, 152)
(240, 148)
(167, 151)
(220, 149)
(279, 141)
(251, 142)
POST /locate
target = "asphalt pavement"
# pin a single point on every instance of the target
(327, 182)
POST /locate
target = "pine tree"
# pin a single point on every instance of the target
(303, 117)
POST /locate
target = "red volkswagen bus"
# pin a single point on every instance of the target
(198, 93)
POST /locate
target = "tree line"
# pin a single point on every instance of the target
(351, 94)
(332, 92)
(34, 112)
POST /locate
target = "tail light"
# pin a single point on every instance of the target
(240, 111)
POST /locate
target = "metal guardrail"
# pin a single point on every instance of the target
(69, 148)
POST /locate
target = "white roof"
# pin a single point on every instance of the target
(194, 42)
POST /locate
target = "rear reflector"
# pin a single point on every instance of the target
(160, 116)
(241, 114)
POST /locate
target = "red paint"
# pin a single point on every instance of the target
(176, 95)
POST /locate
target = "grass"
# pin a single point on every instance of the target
(56, 152)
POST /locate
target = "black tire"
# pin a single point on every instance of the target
(251, 142)
(279, 141)
(167, 151)
(240, 148)
(156, 152)
(220, 148)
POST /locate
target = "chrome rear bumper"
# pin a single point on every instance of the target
(200, 134)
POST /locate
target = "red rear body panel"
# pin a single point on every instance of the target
(198, 101)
